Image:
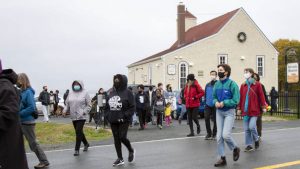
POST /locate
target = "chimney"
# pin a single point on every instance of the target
(180, 23)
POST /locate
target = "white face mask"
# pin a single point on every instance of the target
(213, 77)
(247, 75)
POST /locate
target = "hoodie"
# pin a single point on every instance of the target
(27, 106)
(78, 103)
(120, 107)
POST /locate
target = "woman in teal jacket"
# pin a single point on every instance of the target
(27, 107)
(226, 97)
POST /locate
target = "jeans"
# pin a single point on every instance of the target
(119, 131)
(225, 121)
(210, 114)
(183, 111)
(250, 131)
(29, 133)
(45, 110)
(80, 137)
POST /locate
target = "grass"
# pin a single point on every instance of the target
(54, 134)
(277, 117)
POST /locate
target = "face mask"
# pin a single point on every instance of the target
(140, 91)
(221, 75)
(19, 85)
(213, 77)
(117, 85)
(247, 75)
(76, 87)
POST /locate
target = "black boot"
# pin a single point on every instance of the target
(221, 162)
(76, 153)
(236, 154)
(86, 147)
(198, 130)
(191, 135)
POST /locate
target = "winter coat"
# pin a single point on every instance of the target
(27, 106)
(159, 105)
(226, 91)
(256, 99)
(209, 88)
(78, 103)
(193, 95)
(12, 152)
(121, 106)
(44, 98)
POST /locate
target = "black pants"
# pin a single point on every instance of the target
(142, 117)
(259, 125)
(119, 131)
(92, 116)
(55, 107)
(193, 116)
(80, 137)
(159, 118)
(210, 114)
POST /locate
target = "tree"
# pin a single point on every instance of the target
(281, 46)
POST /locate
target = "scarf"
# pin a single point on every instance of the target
(249, 82)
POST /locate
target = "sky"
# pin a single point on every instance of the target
(58, 41)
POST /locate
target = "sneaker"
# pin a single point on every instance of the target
(208, 137)
(191, 135)
(86, 147)
(76, 153)
(221, 162)
(259, 138)
(214, 137)
(257, 144)
(41, 165)
(179, 120)
(248, 149)
(236, 154)
(160, 126)
(198, 130)
(131, 156)
(118, 162)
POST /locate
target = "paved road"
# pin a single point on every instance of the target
(278, 146)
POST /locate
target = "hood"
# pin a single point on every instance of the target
(80, 83)
(31, 90)
(10, 75)
(123, 81)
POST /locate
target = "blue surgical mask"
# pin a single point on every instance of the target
(76, 87)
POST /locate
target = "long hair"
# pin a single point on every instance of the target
(24, 80)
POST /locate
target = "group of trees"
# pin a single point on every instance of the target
(281, 45)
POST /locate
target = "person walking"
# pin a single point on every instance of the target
(120, 109)
(159, 108)
(210, 109)
(226, 97)
(150, 112)
(168, 112)
(56, 101)
(171, 98)
(100, 100)
(259, 118)
(12, 151)
(27, 108)
(192, 94)
(183, 107)
(274, 96)
(66, 95)
(44, 98)
(79, 105)
(142, 104)
(252, 100)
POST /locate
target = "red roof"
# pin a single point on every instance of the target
(198, 32)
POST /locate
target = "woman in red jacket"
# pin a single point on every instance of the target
(192, 94)
(252, 100)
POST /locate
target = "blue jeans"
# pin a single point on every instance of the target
(250, 130)
(225, 120)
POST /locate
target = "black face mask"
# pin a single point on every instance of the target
(140, 92)
(117, 85)
(19, 85)
(221, 75)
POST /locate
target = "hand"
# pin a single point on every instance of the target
(264, 110)
(239, 112)
(217, 105)
(221, 105)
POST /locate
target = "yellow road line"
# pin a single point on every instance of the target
(281, 165)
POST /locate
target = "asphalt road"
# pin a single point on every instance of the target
(280, 144)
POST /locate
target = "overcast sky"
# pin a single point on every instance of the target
(57, 41)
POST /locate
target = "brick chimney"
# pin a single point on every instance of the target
(180, 23)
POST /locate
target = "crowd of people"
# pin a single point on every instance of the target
(119, 107)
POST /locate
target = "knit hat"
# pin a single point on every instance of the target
(191, 77)
(0, 66)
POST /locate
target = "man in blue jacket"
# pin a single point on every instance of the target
(210, 109)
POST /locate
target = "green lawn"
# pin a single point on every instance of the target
(53, 133)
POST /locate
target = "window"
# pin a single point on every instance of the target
(183, 72)
(260, 62)
(222, 59)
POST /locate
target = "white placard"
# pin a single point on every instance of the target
(171, 69)
(292, 73)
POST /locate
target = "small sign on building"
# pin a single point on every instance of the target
(292, 73)
(171, 69)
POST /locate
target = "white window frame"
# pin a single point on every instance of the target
(262, 65)
(225, 56)
(179, 73)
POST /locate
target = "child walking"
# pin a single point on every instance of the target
(159, 107)
(168, 112)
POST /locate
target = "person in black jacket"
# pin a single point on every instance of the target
(12, 151)
(142, 104)
(66, 95)
(274, 96)
(44, 98)
(120, 109)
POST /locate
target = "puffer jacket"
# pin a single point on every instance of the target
(193, 94)
(78, 103)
